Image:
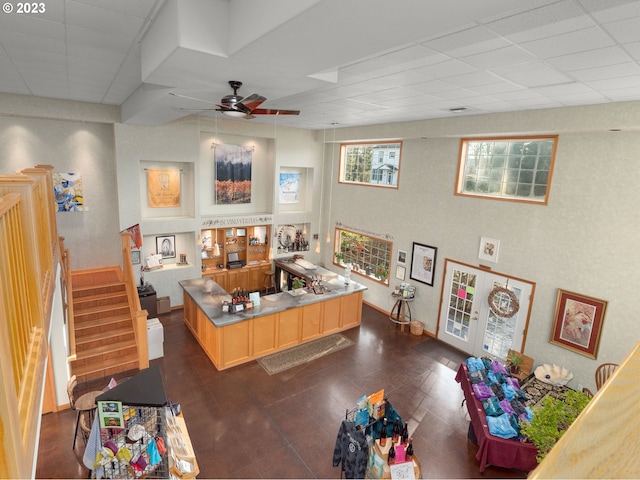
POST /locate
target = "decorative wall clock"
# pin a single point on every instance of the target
(286, 235)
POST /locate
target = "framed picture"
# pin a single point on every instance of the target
(241, 232)
(423, 263)
(135, 257)
(577, 323)
(228, 233)
(400, 272)
(166, 246)
(402, 257)
(489, 249)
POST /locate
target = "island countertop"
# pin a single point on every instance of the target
(210, 303)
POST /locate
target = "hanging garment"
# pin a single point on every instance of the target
(351, 450)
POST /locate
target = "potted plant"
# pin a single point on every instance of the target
(514, 361)
(551, 419)
(382, 272)
(339, 257)
(297, 283)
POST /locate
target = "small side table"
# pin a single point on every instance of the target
(401, 311)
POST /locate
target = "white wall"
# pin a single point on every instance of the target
(71, 146)
(584, 240)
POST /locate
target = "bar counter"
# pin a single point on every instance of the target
(281, 321)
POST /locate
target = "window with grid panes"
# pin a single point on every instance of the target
(516, 169)
(368, 256)
(370, 164)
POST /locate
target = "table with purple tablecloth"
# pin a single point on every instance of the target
(492, 450)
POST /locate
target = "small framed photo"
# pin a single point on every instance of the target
(423, 263)
(402, 257)
(135, 257)
(489, 249)
(166, 246)
(400, 272)
(241, 232)
(577, 323)
(228, 233)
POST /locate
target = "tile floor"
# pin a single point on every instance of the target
(244, 423)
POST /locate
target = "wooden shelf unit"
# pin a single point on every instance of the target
(251, 243)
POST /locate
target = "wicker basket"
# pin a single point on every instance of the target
(416, 327)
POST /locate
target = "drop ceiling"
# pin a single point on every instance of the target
(344, 62)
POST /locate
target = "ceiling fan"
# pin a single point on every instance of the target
(239, 107)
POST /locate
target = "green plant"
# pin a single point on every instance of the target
(514, 361)
(381, 271)
(339, 257)
(551, 419)
(297, 283)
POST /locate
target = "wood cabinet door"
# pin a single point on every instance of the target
(237, 279)
(351, 310)
(289, 328)
(331, 316)
(311, 320)
(235, 343)
(255, 279)
(264, 335)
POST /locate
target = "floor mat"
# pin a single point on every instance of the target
(294, 356)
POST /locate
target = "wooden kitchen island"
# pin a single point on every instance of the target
(281, 321)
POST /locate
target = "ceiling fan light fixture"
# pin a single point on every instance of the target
(234, 113)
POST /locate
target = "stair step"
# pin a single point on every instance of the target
(109, 348)
(101, 309)
(106, 367)
(108, 298)
(103, 324)
(104, 288)
(103, 336)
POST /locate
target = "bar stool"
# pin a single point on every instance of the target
(269, 282)
(85, 404)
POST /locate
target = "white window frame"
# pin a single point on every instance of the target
(345, 176)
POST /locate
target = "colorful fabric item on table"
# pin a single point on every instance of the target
(474, 364)
(506, 406)
(498, 367)
(482, 391)
(152, 451)
(508, 390)
(478, 376)
(501, 426)
(492, 407)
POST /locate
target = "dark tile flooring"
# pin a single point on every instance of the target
(244, 423)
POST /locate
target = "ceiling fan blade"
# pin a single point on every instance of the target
(269, 111)
(251, 102)
(190, 98)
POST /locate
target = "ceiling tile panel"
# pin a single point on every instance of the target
(572, 42)
(468, 42)
(126, 27)
(531, 74)
(591, 59)
(624, 31)
(608, 72)
(498, 58)
(450, 68)
(612, 10)
(554, 19)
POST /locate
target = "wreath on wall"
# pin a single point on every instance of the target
(503, 302)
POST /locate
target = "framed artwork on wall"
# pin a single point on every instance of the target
(577, 323)
(402, 257)
(135, 257)
(400, 272)
(166, 246)
(423, 263)
(489, 249)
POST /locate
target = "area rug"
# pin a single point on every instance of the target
(294, 356)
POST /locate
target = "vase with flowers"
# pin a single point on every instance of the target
(381, 271)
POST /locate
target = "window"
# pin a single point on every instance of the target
(370, 164)
(516, 169)
(368, 256)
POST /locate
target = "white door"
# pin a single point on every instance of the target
(469, 324)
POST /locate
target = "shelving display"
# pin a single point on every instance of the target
(251, 244)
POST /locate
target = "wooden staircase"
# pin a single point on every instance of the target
(104, 335)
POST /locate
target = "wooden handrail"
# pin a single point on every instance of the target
(138, 315)
(28, 259)
(603, 441)
(67, 298)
